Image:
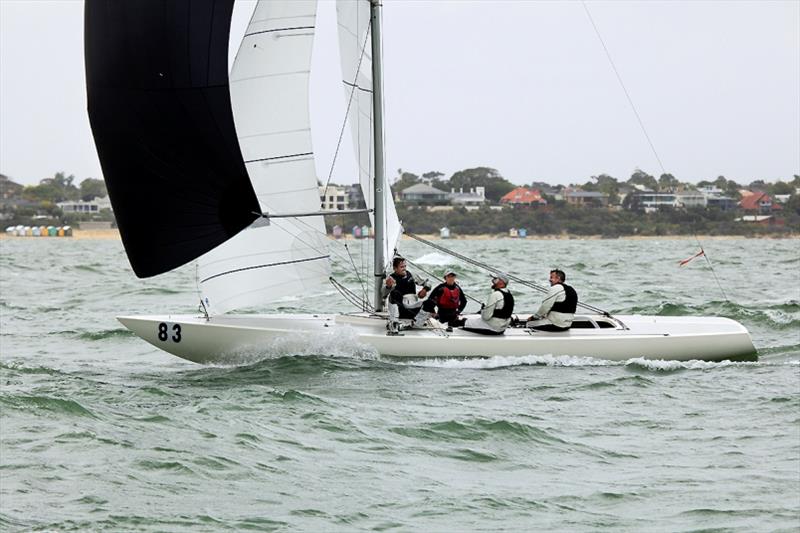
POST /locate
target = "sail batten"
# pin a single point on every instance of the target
(269, 95)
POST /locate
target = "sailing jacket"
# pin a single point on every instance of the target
(494, 303)
(402, 285)
(449, 298)
(559, 305)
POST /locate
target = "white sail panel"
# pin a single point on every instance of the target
(269, 95)
(355, 50)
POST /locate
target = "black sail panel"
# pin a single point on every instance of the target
(160, 110)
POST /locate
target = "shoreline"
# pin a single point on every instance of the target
(113, 234)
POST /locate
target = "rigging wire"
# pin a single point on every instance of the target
(350, 296)
(712, 270)
(355, 269)
(347, 112)
(432, 275)
(644, 130)
(624, 89)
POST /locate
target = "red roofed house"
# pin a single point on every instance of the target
(523, 196)
(760, 202)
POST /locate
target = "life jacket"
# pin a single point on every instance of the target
(403, 285)
(508, 306)
(570, 303)
(450, 297)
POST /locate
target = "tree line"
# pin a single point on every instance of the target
(497, 186)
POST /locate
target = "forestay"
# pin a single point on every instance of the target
(356, 59)
(269, 95)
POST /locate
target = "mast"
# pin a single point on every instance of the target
(377, 134)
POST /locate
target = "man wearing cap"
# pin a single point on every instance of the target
(445, 302)
(496, 312)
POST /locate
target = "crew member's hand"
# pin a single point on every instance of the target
(390, 282)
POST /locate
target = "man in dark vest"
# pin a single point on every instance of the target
(446, 301)
(496, 312)
(401, 288)
(558, 308)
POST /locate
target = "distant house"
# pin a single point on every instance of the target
(586, 198)
(623, 190)
(333, 198)
(761, 220)
(715, 198)
(555, 192)
(8, 188)
(475, 196)
(759, 203)
(355, 197)
(523, 196)
(690, 199)
(93, 206)
(423, 194)
(723, 203)
(782, 198)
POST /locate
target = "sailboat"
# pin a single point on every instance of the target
(202, 165)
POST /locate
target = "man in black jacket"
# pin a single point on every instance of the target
(404, 300)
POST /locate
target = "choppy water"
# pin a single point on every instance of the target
(99, 430)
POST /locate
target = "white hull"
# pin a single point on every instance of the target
(231, 338)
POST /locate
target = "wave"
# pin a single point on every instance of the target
(476, 430)
(784, 315)
(780, 350)
(104, 334)
(94, 269)
(171, 466)
(19, 368)
(435, 259)
(11, 307)
(151, 291)
(45, 403)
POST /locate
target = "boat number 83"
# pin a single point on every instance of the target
(164, 332)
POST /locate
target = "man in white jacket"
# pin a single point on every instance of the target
(495, 312)
(558, 307)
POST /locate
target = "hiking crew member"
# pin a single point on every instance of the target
(404, 300)
(558, 307)
(446, 301)
(496, 311)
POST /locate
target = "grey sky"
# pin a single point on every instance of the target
(524, 87)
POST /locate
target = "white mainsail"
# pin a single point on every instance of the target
(269, 95)
(356, 58)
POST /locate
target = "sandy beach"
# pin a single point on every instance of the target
(109, 234)
(96, 234)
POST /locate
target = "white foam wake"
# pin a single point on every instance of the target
(569, 361)
(341, 342)
(433, 258)
(503, 361)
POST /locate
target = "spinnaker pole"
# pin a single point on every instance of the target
(377, 134)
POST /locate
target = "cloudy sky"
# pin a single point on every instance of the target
(521, 86)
